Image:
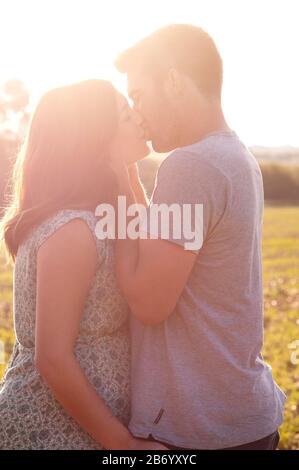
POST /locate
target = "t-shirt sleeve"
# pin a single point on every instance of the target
(192, 196)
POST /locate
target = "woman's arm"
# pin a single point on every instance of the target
(127, 250)
(151, 273)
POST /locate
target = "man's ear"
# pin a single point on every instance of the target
(174, 83)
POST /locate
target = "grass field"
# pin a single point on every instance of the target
(281, 299)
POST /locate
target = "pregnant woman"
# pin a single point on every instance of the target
(67, 385)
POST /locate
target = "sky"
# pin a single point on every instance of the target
(53, 42)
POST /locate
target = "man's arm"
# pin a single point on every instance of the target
(151, 272)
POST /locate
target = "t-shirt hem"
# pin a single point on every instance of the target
(177, 442)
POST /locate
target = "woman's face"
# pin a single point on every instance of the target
(129, 142)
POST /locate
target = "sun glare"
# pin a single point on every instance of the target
(49, 43)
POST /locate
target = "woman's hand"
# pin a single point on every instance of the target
(119, 168)
(128, 179)
(124, 171)
(133, 173)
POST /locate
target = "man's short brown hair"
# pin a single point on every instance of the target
(188, 48)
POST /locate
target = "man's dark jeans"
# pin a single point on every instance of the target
(267, 443)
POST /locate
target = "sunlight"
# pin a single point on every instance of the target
(59, 47)
(55, 42)
(149, 255)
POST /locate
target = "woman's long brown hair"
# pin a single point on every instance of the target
(64, 161)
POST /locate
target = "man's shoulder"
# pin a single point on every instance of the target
(195, 162)
(184, 158)
(220, 153)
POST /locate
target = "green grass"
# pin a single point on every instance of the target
(6, 321)
(281, 300)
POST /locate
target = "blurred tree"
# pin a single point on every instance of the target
(14, 117)
(14, 113)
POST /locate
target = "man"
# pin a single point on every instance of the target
(198, 378)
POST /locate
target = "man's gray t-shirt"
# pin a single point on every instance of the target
(198, 379)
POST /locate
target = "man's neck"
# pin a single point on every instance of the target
(199, 125)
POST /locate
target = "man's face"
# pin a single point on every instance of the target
(154, 108)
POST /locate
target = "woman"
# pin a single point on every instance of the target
(67, 384)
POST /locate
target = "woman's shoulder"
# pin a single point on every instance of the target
(52, 222)
(66, 215)
(50, 225)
